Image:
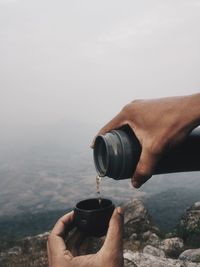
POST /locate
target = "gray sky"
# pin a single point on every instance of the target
(84, 60)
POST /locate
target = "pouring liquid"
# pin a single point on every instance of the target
(98, 181)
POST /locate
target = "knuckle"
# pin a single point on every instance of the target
(136, 105)
(131, 107)
(136, 101)
(126, 108)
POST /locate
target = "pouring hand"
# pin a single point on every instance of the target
(158, 124)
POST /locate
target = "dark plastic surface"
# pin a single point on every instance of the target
(183, 158)
(93, 218)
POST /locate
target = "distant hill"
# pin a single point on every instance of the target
(40, 167)
(167, 207)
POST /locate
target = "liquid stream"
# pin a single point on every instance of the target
(98, 181)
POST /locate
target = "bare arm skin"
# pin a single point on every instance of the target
(159, 124)
(110, 255)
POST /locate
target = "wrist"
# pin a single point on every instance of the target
(193, 109)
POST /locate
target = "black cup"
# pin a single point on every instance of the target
(91, 217)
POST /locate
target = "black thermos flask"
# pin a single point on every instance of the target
(116, 154)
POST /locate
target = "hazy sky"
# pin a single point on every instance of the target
(85, 59)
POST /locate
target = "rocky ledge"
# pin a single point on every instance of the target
(144, 244)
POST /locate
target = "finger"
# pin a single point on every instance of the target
(64, 224)
(144, 168)
(56, 238)
(74, 242)
(115, 123)
(114, 238)
(49, 254)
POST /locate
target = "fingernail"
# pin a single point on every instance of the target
(120, 210)
(135, 184)
(71, 212)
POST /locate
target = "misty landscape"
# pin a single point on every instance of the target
(43, 179)
(67, 68)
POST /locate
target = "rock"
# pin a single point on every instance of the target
(133, 237)
(137, 219)
(136, 222)
(30, 251)
(14, 251)
(129, 263)
(133, 245)
(189, 227)
(91, 245)
(152, 239)
(137, 259)
(154, 251)
(146, 260)
(189, 264)
(172, 246)
(192, 255)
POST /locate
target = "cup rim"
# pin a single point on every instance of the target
(92, 210)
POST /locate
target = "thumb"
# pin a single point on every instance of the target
(145, 167)
(114, 238)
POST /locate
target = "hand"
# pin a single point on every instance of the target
(159, 124)
(110, 255)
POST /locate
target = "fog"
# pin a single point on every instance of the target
(66, 68)
(84, 60)
(71, 65)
